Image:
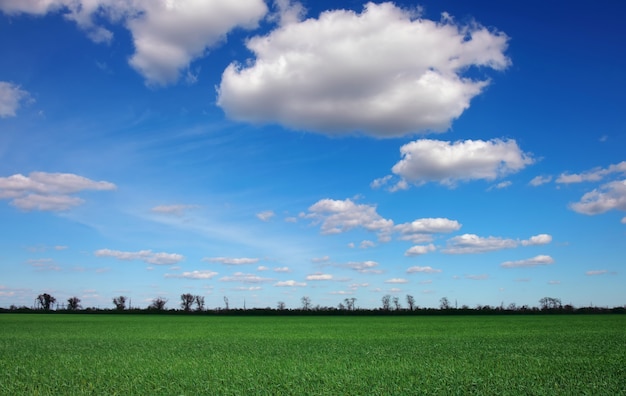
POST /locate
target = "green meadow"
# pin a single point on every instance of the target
(76, 354)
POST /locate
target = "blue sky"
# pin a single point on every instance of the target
(266, 151)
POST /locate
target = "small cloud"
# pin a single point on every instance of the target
(147, 256)
(290, 283)
(282, 269)
(554, 282)
(477, 277)
(419, 250)
(324, 259)
(266, 215)
(596, 272)
(366, 244)
(540, 180)
(291, 219)
(541, 239)
(378, 183)
(11, 99)
(532, 262)
(203, 274)
(44, 264)
(319, 277)
(426, 270)
(245, 278)
(364, 267)
(501, 185)
(231, 260)
(262, 268)
(396, 280)
(177, 210)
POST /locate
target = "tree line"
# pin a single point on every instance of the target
(190, 303)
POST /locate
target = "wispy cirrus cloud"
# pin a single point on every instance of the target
(174, 209)
(197, 274)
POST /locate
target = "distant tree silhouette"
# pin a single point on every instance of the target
(120, 303)
(350, 303)
(199, 303)
(280, 306)
(410, 300)
(226, 302)
(45, 301)
(386, 300)
(444, 303)
(550, 303)
(306, 303)
(396, 303)
(158, 304)
(73, 303)
(186, 301)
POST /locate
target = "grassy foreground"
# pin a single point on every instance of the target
(193, 355)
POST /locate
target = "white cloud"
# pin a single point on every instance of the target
(383, 72)
(593, 175)
(282, 269)
(44, 264)
(448, 163)
(364, 267)
(287, 12)
(323, 259)
(623, 220)
(426, 270)
(554, 282)
(319, 277)
(477, 277)
(596, 272)
(11, 98)
(231, 260)
(266, 215)
(177, 209)
(539, 180)
(245, 278)
(290, 283)
(419, 250)
(541, 239)
(146, 256)
(338, 216)
(531, 262)
(167, 35)
(501, 185)
(609, 196)
(421, 230)
(262, 268)
(366, 244)
(48, 191)
(203, 274)
(471, 243)
(397, 280)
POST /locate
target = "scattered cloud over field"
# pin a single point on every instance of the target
(245, 278)
(48, 191)
(290, 283)
(319, 277)
(419, 250)
(383, 72)
(147, 256)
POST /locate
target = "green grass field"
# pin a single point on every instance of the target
(381, 355)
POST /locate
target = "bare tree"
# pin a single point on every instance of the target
(226, 302)
(350, 303)
(186, 301)
(396, 303)
(120, 303)
(550, 303)
(73, 303)
(306, 303)
(386, 300)
(281, 306)
(45, 301)
(444, 303)
(158, 304)
(410, 300)
(199, 303)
